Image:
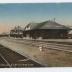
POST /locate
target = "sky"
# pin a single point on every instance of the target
(21, 14)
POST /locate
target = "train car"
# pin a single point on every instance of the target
(46, 30)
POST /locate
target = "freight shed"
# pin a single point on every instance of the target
(45, 30)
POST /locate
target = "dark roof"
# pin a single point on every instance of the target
(45, 25)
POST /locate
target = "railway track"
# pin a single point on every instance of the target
(6, 63)
(52, 53)
(11, 59)
(46, 44)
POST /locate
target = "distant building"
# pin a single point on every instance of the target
(45, 30)
(16, 32)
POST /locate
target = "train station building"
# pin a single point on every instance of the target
(46, 30)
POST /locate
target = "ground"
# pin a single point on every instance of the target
(48, 57)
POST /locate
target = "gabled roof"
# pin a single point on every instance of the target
(45, 25)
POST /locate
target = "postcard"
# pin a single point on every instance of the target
(35, 35)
